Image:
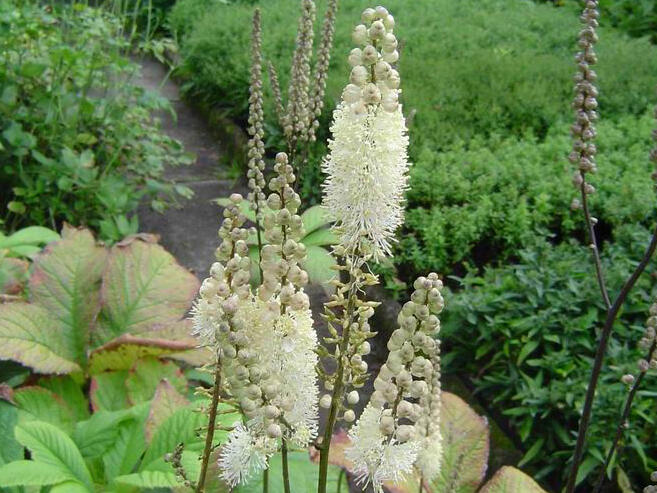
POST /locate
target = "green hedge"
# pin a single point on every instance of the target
(524, 334)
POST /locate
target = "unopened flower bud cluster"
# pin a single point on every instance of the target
(298, 118)
(653, 487)
(256, 147)
(373, 79)
(350, 345)
(402, 416)
(585, 102)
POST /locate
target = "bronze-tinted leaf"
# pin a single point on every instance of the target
(13, 275)
(165, 401)
(511, 480)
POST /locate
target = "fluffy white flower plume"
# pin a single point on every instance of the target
(368, 161)
(245, 454)
(378, 458)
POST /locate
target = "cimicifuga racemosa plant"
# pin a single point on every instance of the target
(366, 176)
(398, 430)
(583, 157)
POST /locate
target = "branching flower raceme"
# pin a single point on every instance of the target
(366, 170)
(399, 429)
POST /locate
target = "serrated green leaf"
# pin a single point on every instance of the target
(29, 335)
(51, 446)
(511, 480)
(70, 391)
(108, 391)
(66, 281)
(11, 450)
(465, 447)
(165, 402)
(97, 434)
(39, 404)
(143, 287)
(70, 487)
(318, 264)
(315, 218)
(321, 237)
(123, 455)
(147, 374)
(31, 473)
(124, 351)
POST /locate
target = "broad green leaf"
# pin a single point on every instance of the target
(97, 434)
(70, 391)
(314, 218)
(465, 447)
(10, 450)
(244, 206)
(165, 402)
(29, 335)
(511, 480)
(123, 455)
(124, 351)
(39, 404)
(13, 275)
(66, 281)
(51, 446)
(149, 479)
(147, 374)
(70, 487)
(108, 391)
(29, 472)
(303, 475)
(143, 287)
(318, 265)
(180, 427)
(321, 237)
(30, 236)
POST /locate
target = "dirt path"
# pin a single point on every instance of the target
(189, 233)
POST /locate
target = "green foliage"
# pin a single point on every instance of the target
(525, 334)
(522, 188)
(78, 139)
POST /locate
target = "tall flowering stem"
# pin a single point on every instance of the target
(256, 147)
(363, 193)
(583, 154)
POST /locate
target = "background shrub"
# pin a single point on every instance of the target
(78, 137)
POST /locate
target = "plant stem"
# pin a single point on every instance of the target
(421, 481)
(338, 389)
(594, 245)
(599, 357)
(623, 421)
(211, 427)
(286, 471)
(265, 481)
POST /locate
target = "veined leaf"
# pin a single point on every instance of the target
(465, 447)
(124, 351)
(125, 452)
(321, 237)
(165, 402)
(29, 335)
(146, 375)
(318, 265)
(314, 218)
(70, 391)
(31, 473)
(11, 450)
(51, 446)
(39, 404)
(143, 287)
(511, 480)
(13, 275)
(66, 282)
(108, 391)
(149, 479)
(98, 433)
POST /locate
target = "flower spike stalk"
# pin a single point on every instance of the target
(363, 193)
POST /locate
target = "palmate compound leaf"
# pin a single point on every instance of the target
(511, 480)
(52, 447)
(143, 287)
(66, 282)
(31, 336)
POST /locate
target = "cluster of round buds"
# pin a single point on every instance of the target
(283, 230)
(405, 379)
(220, 293)
(649, 341)
(585, 102)
(373, 80)
(350, 345)
(298, 117)
(653, 487)
(256, 147)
